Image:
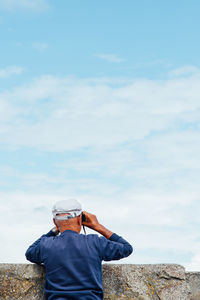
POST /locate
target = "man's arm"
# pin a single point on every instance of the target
(33, 253)
(113, 247)
(92, 222)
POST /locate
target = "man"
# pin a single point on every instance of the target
(73, 260)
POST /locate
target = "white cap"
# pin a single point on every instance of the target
(71, 207)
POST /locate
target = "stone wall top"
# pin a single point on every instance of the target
(133, 282)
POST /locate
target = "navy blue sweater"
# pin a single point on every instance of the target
(73, 263)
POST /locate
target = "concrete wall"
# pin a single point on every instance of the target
(136, 282)
(193, 278)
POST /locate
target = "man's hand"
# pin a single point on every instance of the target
(92, 222)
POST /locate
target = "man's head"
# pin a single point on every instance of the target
(67, 215)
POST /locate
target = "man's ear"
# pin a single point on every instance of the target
(55, 224)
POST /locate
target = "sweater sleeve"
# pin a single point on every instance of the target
(33, 253)
(115, 248)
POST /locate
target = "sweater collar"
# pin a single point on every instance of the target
(69, 231)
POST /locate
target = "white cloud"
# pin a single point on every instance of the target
(89, 114)
(194, 265)
(113, 58)
(41, 47)
(11, 70)
(184, 71)
(33, 5)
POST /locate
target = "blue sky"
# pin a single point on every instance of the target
(100, 101)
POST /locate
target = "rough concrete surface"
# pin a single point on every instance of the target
(133, 282)
(21, 281)
(145, 282)
(193, 278)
